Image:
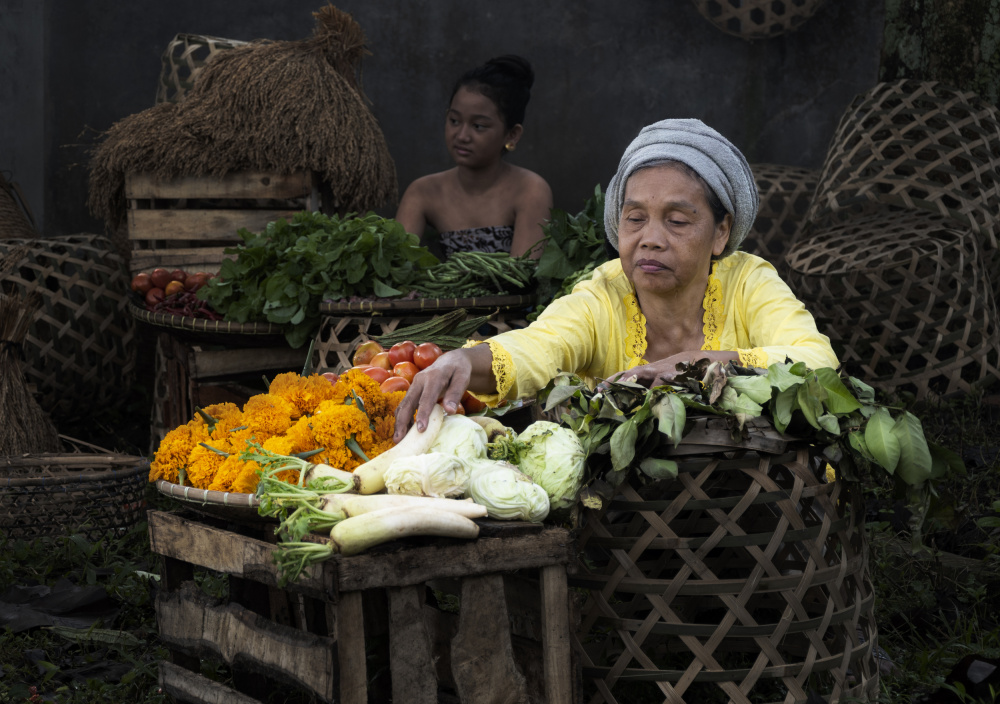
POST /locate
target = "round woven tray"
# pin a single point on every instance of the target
(202, 329)
(757, 19)
(94, 493)
(220, 504)
(430, 305)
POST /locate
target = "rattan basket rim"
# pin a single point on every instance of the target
(428, 304)
(190, 494)
(136, 465)
(185, 322)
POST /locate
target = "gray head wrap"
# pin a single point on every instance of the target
(714, 157)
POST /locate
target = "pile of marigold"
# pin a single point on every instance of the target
(298, 414)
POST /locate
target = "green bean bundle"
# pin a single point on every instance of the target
(468, 274)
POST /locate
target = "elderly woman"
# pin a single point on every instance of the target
(678, 208)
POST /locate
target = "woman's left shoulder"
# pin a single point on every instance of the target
(528, 183)
(741, 265)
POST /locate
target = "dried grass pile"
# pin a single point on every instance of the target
(271, 106)
(24, 426)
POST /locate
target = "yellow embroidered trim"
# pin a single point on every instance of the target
(635, 332)
(503, 370)
(753, 358)
(715, 313)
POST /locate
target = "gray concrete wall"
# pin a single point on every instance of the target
(603, 71)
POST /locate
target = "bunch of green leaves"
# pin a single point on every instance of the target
(572, 243)
(282, 274)
(625, 426)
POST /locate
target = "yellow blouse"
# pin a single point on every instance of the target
(599, 330)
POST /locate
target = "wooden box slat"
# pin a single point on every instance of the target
(189, 621)
(195, 224)
(191, 259)
(207, 364)
(186, 686)
(235, 185)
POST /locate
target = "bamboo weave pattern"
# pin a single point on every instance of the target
(183, 59)
(757, 19)
(785, 194)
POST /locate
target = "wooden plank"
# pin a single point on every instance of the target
(233, 185)
(195, 224)
(187, 686)
(206, 364)
(411, 660)
(415, 565)
(224, 551)
(555, 635)
(351, 650)
(190, 259)
(482, 658)
(191, 620)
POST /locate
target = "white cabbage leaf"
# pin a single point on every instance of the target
(461, 437)
(431, 474)
(553, 458)
(506, 493)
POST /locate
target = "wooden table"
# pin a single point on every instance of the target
(312, 632)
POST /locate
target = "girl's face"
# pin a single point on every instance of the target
(474, 132)
(667, 233)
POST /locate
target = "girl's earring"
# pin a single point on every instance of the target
(510, 146)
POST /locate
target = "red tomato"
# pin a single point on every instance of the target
(471, 403)
(378, 373)
(332, 377)
(178, 275)
(401, 352)
(154, 296)
(425, 354)
(142, 283)
(460, 410)
(160, 277)
(395, 383)
(381, 360)
(407, 370)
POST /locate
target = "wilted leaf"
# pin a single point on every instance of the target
(756, 388)
(738, 403)
(671, 416)
(810, 398)
(829, 423)
(559, 394)
(865, 392)
(785, 404)
(623, 445)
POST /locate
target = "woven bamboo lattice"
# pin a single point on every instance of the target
(785, 193)
(80, 350)
(745, 575)
(15, 216)
(91, 492)
(906, 300)
(183, 59)
(915, 146)
(757, 19)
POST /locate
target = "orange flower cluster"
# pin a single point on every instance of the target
(298, 414)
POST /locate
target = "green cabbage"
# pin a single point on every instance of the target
(432, 474)
(506, 493)
(462, 438)
(552, 455)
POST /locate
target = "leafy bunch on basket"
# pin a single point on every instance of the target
(628, 429)
(282, 274)
(343, 424)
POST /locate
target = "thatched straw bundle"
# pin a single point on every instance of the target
(24, 426)
(279, 107)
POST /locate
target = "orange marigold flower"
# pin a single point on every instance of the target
(227, 473)
(174, 450)
(301, 435)
(366, 388)
(385, 426)
(247, 479)
(379, 447)
(267, 414)
(332, 428)
(280, 444)
(203, 465)
(305, 393)
(221, 411)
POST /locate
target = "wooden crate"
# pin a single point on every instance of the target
(189, 375)
(321, 632)
(187, 222)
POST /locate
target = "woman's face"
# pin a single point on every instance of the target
(474, 132)
(666, 234)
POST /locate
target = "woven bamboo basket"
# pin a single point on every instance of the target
(15, 216)
(915, 146)
(785, 194)
(906, 300)
(90, 491)
(80, 350)
(757, 19)
(183, 59)
(746, 576)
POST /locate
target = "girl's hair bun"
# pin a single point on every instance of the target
(507, 81)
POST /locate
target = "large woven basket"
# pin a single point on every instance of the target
(80, 350)
(15, 216)
(183, 59)
(757, 19)
(916, 146)
(785, 194)
(91, 492)
(906, 300)
(746, 576)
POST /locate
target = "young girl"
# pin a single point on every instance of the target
(483, 203)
